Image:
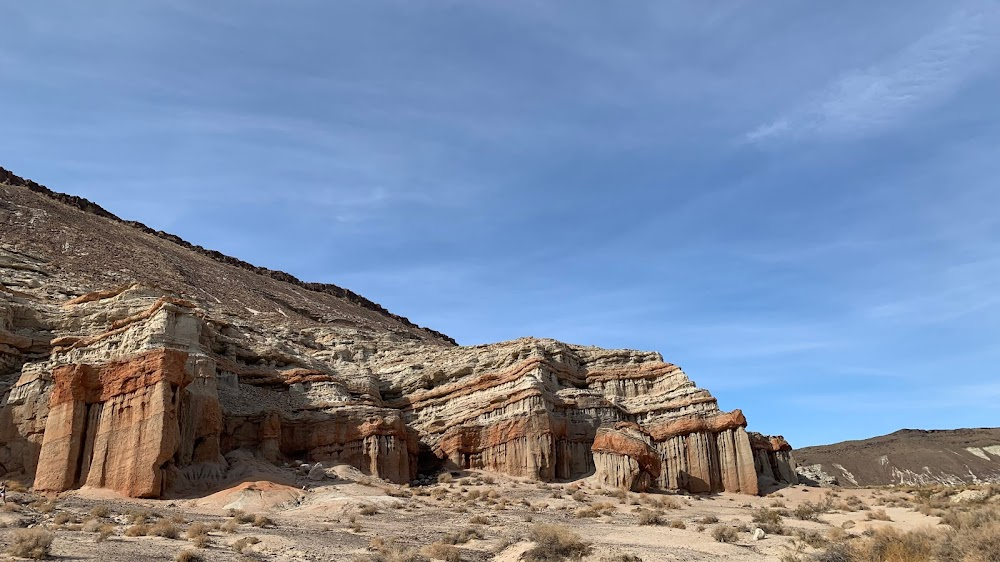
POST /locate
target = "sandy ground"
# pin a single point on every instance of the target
(333, 520)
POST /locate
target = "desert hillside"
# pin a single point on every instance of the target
(134, 361)
(908, 457)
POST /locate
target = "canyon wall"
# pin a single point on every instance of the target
(156, 376)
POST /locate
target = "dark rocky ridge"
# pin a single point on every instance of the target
(909, 457)
(9, 178)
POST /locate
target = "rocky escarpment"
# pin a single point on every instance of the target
(131, 362)
(907, 457)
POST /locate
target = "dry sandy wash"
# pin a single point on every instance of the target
(469, 516)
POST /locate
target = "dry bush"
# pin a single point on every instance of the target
(100, 511)
(479, 520)
(445, 478)
(621, 558)
(615, 493)
(31, 543)
(808, 511)
(231, 525)
(139, 516)
(105, 532)
(890, 545)
(262, 521)
(441, 551)
(554, 543)
(708, 520)
(725, 533)
(367, 510)
(778, 504)
(392, 552)
(165, 529)
(61, 518)
(812, 538)
(580, 496)
(11, 507)
(43, 506)
(676, 524)
(770, 521)
(878, 515)
(241, 516)
(197, 528)
(242, 544)
(647, 517)
(137, 531)
(188, 556)
(975, 536)
(92, 525)
(660, 503)
(463, 536)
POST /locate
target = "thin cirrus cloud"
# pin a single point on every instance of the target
(925, 72)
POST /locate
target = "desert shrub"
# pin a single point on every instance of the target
(241, 516)
(197, 528)
(31, 543)
(463, 536)
(11, 507)
(580, 496)
(647, 517)
(137, 531)
(241, 545)
(553, 543)
(92, 525)
(231, 525)
(975, 536)
(622, 558)
(769, 521)
(812, 538)
(368, 510)
(615, 493)
(676, 524)
(105, 532)
(853, 503)
(441, 551)
(808, 511)
(165, 529)
(100, 511)
(262, 521)
(725, 533)
(445, 478)
(139, 516)
(708, 520)
(878, 515)
(660, 503)
(188, 556)
(479, 520)
(43, 506)
(890, 545)
(61, 518)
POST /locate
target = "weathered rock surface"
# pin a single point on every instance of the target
(907, 457)
(130, 360)
(773, 459)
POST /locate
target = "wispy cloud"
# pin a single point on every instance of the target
(924, 73)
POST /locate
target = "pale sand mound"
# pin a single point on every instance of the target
(251, 496)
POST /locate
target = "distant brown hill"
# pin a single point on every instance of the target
(908, 456)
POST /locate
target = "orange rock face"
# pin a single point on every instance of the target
(114, 425)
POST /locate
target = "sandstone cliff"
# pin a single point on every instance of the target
(133, 361)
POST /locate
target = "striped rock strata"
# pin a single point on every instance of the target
(133, 362)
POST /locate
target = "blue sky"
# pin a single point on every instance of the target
(797, 203)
